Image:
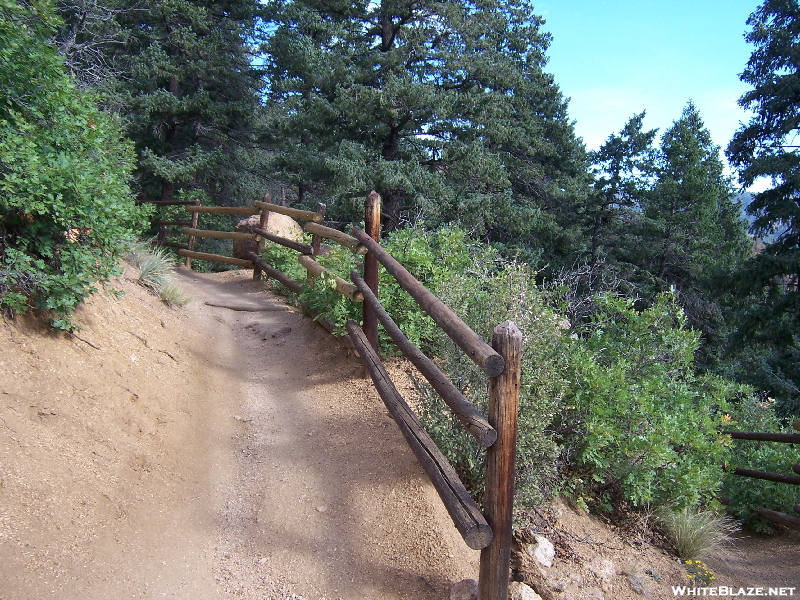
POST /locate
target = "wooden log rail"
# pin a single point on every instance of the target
(219, 235)
(490, 532)
(317, 270)
(780, 518)
(470, 342)
(466, 412)
(462, 508)
(337, 236)
(287, 281)
(224, 210)
(304, 215)
(777, 477)
(297, 246)
(786, 438)
(239, 262)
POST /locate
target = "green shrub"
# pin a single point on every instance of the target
(65, 204)
(485, 294)
(747, 495)
(645, 427)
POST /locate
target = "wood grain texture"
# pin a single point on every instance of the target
(295, 213)
(500, 464)
(466, 412)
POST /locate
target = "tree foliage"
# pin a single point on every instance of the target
(65, 205)
(443, 107)
(766, 147)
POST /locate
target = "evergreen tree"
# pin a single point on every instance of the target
(189, 90)
(688, 232)
(766, 147)
(623, 169)
(443, 107)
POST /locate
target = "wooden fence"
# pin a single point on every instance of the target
(489, 531)
(780, 518)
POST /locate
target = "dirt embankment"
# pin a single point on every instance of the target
(206, 453)
(209, 453)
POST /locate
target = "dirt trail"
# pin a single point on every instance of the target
(208, 453)
(215, 454)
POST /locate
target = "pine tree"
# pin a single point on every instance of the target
(623, 169)
(189, 90)
(766, 147)
(687, 232)
(443, 107)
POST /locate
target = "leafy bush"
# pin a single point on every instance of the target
(747, 495)
(645, 427)
(484, 294)
(65, 204)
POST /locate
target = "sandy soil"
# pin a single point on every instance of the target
(209, 453)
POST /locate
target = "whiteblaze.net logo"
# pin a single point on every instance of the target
(680, 590)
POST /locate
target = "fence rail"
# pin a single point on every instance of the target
(776, 517)
(490, 531)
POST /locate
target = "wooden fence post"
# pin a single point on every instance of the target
(262, 224)
(195, 217)
(316, 240)
(372, 227)
(500, 462)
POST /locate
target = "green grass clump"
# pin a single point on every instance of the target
(698, 535)
(156, 272)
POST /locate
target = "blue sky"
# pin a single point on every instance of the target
(617, 58)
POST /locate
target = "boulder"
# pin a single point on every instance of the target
(277, 223)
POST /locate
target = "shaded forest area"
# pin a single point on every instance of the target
(447, 110)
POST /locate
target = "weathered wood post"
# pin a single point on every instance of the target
(195, 219)
(262, 224)
(372, 227)
(500, 462)
(316, 239)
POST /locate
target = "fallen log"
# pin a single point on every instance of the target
(249, 307)
(466, 412)
(462, 508)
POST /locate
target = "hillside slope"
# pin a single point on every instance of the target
(192, 454)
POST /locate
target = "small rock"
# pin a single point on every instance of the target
(519, 591)
(637, 583)
(466, 589)
(602, 567)
(322, 508)
(543, 551)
